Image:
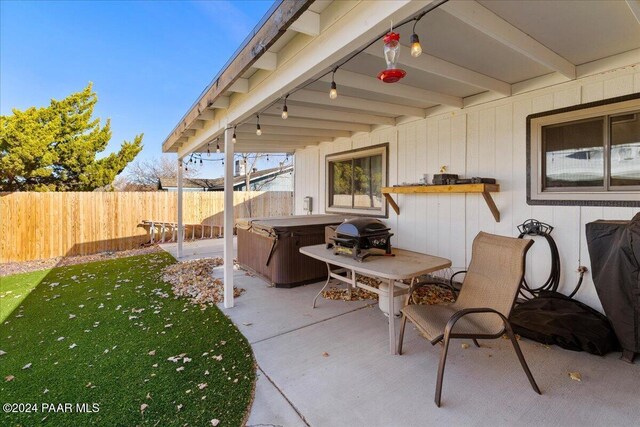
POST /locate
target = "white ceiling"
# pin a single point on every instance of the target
(578, 31)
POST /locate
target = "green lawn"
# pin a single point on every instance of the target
(111, 333)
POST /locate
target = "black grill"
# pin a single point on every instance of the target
(361, 238)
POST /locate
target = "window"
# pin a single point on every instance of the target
(355, 180)
(585, 155)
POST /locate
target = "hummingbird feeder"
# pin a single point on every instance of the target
(391, 54)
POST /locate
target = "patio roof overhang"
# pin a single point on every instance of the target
(475, 52)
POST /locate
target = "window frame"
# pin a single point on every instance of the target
(380, 149)
(607, 195)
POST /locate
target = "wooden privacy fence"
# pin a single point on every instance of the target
(47, 225)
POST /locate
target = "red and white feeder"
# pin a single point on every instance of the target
(391, 54)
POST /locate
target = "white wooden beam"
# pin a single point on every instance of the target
(449, 70)
(265, 148)
(220, 102)
(372, 84)
(240, 86)
(308, 23)
(228, 219)
(251, 136)
(207, 114)
(314, 124)
(484, 20)
(634, 5)
(324, 114)
(283, 130)
(361, 104)
(198, 124)
(268, 61)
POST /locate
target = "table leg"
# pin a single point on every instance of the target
(325, 285)
(392, 320)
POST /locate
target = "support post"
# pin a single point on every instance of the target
(228, 218)
(180, 222)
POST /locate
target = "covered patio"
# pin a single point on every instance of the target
(466, 104)
(345, 345)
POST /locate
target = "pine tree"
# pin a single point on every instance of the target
(54, 148)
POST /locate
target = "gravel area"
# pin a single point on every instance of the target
(7, 269)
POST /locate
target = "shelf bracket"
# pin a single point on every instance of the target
(492, 206)
(392, 202)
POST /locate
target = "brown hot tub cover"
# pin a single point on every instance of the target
(270, 247)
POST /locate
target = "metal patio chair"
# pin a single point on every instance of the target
(484, 304)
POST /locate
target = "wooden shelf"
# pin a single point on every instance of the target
(484, 189)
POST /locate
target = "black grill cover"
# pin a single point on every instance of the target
(553, 318)
(614, 247)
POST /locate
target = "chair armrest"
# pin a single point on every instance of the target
(461, 313)
(453, 289)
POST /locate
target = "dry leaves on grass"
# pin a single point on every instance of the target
(193, 280)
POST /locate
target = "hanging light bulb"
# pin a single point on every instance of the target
(258, 130)
(416, 49)
(233, 138)
(285, 110)
(333, 93)
(217, 147)
(267, 157)
(200, 161)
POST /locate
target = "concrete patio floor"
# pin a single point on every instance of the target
(360, 384)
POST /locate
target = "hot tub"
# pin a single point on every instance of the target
(269, 247)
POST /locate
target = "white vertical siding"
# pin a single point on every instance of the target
(490, 141)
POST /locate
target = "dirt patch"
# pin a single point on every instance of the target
(10, 268)
(194, 280)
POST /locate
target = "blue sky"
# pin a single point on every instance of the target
(148, 60)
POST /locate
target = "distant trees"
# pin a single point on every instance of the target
(54, 148)
(143, 175)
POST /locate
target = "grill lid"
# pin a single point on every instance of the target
(361, 227)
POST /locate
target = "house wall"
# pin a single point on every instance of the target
(283, 182)
(487, 140)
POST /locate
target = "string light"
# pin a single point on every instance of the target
(333, 93)
(217, 146)
(285, 110)
(416, 49)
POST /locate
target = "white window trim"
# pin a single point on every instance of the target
(587, 196)
(383, 149)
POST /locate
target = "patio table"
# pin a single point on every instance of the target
(404, 265)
